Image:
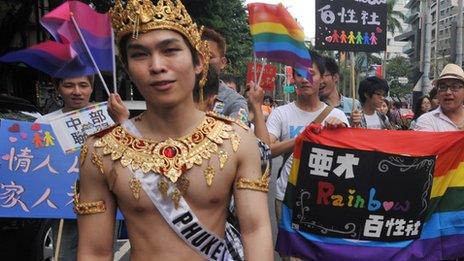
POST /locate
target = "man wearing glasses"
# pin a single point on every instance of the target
(449, 116)
(372, 92)
(328, 90)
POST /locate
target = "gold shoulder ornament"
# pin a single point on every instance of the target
(171, 158)
(86, 208)
(261, 184)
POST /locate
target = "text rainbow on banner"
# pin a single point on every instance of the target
(442, 234)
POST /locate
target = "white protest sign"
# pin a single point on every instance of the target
(73, 127)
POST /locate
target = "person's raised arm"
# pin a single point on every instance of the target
(255, 99)
(95, 206)
(250, 193)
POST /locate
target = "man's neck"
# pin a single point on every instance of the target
(162, 123)
(369, 109)
(333, 99)
(457, 116)
(308, 103)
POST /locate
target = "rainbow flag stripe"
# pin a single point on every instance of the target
(442, 236)
(278, 37)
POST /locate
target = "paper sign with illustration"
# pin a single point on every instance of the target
(73, 127)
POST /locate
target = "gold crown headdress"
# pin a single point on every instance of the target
(142, 16)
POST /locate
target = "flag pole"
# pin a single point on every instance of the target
(58, 241)
(353, 78)
(89, 53)
(254, 69)
(261, 72)
(113, 56)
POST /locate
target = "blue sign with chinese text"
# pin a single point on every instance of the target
(36, 177)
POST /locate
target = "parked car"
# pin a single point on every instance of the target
(22, 238)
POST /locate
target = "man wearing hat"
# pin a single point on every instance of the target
(173, 169)
(449, 116)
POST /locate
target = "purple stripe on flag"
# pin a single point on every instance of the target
(447, 247)
(47, 62)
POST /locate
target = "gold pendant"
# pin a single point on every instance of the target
(223, 157)
(175, 196)
(183, 184)
(135, 187)
(163, 187)
(83, 155)
(235, 140)
(209, 173)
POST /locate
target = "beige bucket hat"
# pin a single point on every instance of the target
(451, 71)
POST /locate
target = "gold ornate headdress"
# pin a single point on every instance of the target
(143, 16)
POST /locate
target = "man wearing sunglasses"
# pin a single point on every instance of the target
(449, 116)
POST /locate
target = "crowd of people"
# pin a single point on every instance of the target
(211, 207)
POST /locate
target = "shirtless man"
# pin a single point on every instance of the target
(172, 186)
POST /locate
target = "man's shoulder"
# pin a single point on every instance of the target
(226, 93)
(339, 114)
(227, 119)
(282, 110)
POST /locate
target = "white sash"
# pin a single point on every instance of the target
(182, 220)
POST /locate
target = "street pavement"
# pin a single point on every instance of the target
(123, 246)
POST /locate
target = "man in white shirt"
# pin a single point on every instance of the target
(449, 116)
(286, 122)
(372, 92)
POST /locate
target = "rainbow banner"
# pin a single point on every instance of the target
(278, 37)
(436, 228)
(66, 56)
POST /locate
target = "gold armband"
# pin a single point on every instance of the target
(87, 208)
(261, 184)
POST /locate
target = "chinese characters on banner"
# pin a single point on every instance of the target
(351, 25)
(267, 79)
(37, 178)
(365, 195)
(72, 128)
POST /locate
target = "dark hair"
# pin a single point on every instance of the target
(229, 78)
(388, 106)
(316, 59)
(211, 35)
(331, 65)
(433, 92)
(122, 47)
(370, 85)
(418, 106)
(211, 87)
(58, 81)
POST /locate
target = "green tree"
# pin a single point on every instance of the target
(394, 17)
(399, 67)
(229, 18)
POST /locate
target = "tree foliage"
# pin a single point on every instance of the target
(399, 67)
(394, 17)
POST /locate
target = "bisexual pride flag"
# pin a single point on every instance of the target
(278, 37)
(357, 194)
(66, 56)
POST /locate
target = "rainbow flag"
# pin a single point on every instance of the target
(442, 236)
(278, 37)
(66, 56)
